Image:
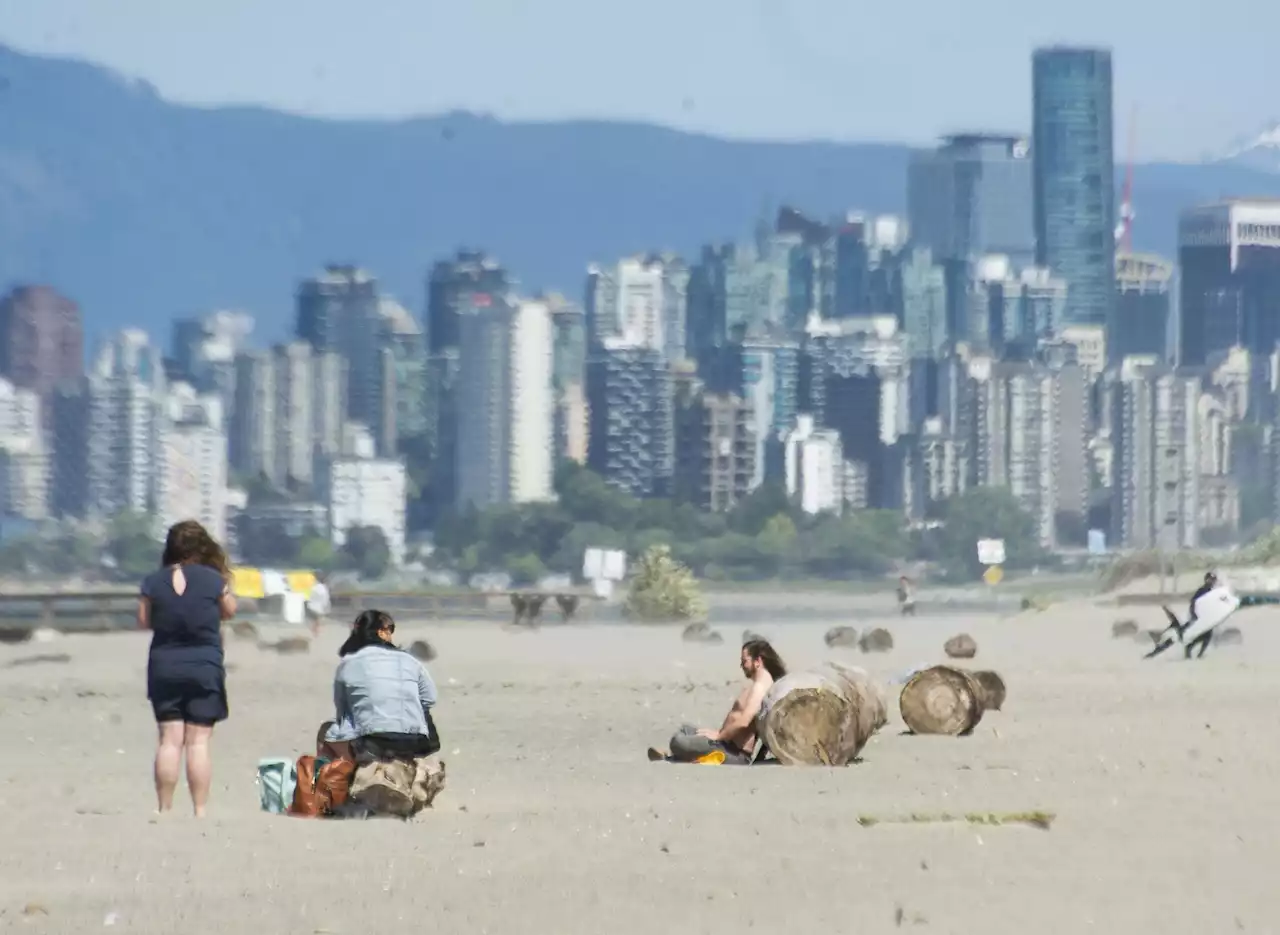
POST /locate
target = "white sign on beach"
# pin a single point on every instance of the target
(991, 551)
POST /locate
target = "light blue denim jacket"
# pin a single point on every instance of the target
(380, 690)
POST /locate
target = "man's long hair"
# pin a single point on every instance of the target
(762, 650)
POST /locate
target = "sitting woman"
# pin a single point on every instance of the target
(382, 699)
(382, 696)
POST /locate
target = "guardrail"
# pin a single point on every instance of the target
(487, 605)
(81, 612)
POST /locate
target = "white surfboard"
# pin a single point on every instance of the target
(1211, 609)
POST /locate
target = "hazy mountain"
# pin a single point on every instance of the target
(1260, 151)
(143, 210)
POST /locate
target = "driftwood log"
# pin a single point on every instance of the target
(701, 633)
(15, 635)
(289, 646)
(244, 630)
(942, 700)
(422, 650)
(751, 636)
(841, 636)
(822, 717)
(876, 641)
(961, 646)
(1124, 629)
(993, 690)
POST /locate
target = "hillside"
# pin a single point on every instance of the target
(143, 210)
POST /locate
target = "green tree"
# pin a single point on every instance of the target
(986, 513)
(525, 569)
(316, 553)
(366, 551)
(132, 545)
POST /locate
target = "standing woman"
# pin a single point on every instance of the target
(183, 605)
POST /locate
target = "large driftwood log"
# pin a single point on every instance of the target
(1124, 629)
(422, 650)
(993, 690)
(701, 633)
(942, 700)
(821, 717)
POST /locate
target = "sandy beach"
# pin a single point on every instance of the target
(1161, 775)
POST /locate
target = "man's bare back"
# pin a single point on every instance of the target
(735, 741)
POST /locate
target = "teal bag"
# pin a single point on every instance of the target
(277, 779)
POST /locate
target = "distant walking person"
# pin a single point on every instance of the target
(906, 597)
(183, 605)
(318, 605)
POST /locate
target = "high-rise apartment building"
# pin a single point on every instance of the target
(629, 398)
(41, 341)
(855, 379)
(715, 451)
(191, 468)
(972, 196)
(126, 385)
(505, 443)
(24, 456)
(1074, 177)
(341, 312)
(1155, 488)
(814, 468)
(1229, 262)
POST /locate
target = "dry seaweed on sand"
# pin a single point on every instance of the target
(1033, 819)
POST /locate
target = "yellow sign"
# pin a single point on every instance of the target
(993, 575)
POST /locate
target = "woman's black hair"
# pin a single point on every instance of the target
(364, 632)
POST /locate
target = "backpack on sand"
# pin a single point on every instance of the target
(322, 785)
(277, 779)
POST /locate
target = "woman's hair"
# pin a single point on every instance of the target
(364, 632)
(760, 649)
(189, 543)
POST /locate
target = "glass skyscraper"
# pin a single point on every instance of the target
(1074, 177)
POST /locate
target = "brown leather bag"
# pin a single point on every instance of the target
(320, 792)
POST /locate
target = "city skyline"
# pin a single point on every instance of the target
(402, 59)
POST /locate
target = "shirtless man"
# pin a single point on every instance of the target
(736, 738)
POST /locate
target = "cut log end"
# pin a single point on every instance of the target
(876, 641)
(993, 689)
(1124, 629)
(422, 650)
(751, 636)
(841, 637)
(701, 633)
(961, 646)
(941, 700)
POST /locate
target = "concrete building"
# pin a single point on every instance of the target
(126, 385)
(855, 378)
(715, 451)
(191, 470)
(69, 480)
(25, 466)
(629, 395)
(1144, 310)
(1229, 262)
(504, 445)
(942, 465)
(1074, 177)
(205, 349)
(972, 196)
(1156, 460)
(361, 492)
(41, 341)
(815, 471)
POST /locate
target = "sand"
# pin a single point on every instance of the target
(1163, 776)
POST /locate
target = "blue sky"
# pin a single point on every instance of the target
(1199, 73)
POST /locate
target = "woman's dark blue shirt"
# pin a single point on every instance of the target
(186, 628)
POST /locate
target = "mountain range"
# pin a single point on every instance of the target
(144, 210)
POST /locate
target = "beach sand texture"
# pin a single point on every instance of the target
(1163, 777)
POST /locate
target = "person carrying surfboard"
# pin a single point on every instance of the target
(1210, 582)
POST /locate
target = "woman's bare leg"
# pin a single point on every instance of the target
(168, 763)
(199, 765)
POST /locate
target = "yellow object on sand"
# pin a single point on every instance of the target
(247, 582)
(714, 758)
(300, 582)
